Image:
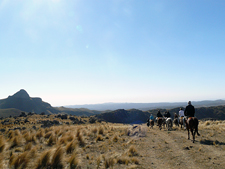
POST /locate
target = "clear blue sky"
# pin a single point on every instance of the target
(95, 51)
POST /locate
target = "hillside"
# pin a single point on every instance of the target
(124, 116)
(138, 116)
(77, 112)
(9, 112)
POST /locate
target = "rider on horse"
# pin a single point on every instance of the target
(181, 115)
(189, 111)
(151, 117)
(167, 114)
(159, 114)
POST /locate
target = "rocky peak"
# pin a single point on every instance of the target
(21, 94)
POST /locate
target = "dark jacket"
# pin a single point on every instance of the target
(159, 114)
(167, 114)
(189, 111)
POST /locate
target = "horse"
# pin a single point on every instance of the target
(181, 122)
(169, 123)
(148, 122)
(159, 122)
(175, 121)
(151, 123)
(164, 121)
(192, 124)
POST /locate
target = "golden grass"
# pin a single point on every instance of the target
(132, 151)
(101, 130)
(70, 147)
(20, 161)
(109, 162)
(81, 140)
(52, 140)
(44, 160)
(74, 161)
(57, 159)
(15, 141)
(2, 143)
(99, 138)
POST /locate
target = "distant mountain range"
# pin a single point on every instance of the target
(146, 106)
(111, 112)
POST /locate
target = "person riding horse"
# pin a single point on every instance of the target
(167, 114)
(181, 116)
(190, 110)
(159, 114)
(192, 122)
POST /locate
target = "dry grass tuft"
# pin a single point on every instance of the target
(48, 134)
(2, 143)
(40, 133)
(28, 146)
(74, 161)
(44, 160)
(115, 138)
(16, 141)
(20, 161)
(101, 130)
(52, 140)
(109, 162)
(132, 151)
(70, 147)
(98, 161)
(135, 160)
(57, 159)
(99, 138)
(80, 138)
(94, 130)
(123, 160)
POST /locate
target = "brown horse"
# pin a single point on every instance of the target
(160, 122)
(192, 124)
(151, 123)
(175, 121)
(181, 122)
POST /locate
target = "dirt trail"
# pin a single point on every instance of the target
(172, 149)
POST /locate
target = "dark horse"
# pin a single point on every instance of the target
(160, 122)
(192, 124)
(150, 123)
(175, 121)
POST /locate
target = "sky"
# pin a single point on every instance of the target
(71, 52)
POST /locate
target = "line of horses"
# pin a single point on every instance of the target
(191, 124)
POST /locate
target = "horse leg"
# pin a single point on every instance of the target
(196, 129)
(188, 134)
(193, 136)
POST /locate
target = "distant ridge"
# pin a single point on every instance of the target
(147, 106)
